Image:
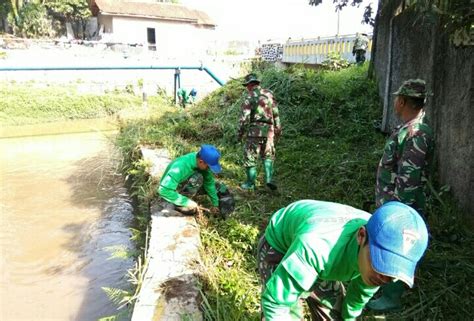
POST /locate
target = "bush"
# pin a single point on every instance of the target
(32, 21)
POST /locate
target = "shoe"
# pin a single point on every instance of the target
(268, 166)
(249, 185)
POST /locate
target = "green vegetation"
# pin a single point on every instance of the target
(27, 103)
(45, 18)
(329, 150)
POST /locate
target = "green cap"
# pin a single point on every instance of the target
(250, 78)
(412, 88)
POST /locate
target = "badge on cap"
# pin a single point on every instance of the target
(409, 239)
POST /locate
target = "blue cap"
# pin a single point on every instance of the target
(210, 155)
(398, 238)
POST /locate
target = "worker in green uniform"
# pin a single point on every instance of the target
(187, 174)
(310, 243)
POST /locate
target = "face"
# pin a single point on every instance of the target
(367, 272)
(251, 85)
(202, 164)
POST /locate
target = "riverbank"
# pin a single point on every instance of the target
(329, 151)
(39, 103)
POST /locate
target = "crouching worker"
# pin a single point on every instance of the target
(309, 247)
(187, 174)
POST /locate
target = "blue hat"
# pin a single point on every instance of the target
(398, 238)
(210, 155)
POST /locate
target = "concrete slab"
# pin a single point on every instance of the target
(170, 289)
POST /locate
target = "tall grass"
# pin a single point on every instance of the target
(329, 151)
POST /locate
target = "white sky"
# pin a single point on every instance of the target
(280, 19)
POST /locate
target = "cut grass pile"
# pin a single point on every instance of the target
(329, 151)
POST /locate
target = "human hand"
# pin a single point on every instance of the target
(215, 210)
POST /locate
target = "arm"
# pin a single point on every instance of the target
(244, 120)
(358, 294)
(210, 187)
(276, 118)
(296, 274)
(410, 167)
(167, 190)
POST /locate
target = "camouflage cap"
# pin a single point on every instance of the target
(412, 88)
(250, 78)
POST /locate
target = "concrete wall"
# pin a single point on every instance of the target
(408, 47)
(172, 38)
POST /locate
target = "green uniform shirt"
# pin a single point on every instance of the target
(319, 240)
(178, 172)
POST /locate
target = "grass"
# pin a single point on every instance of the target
(29, 103)
(329, 151)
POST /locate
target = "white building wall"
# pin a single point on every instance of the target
(173, 39)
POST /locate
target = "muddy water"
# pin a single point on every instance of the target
(61, 207)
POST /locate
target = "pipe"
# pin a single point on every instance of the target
(151, 67)
(220, 82)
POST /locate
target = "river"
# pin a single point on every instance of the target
(62, 206)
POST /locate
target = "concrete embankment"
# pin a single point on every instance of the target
(169, 291)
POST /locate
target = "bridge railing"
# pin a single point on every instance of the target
(316, 50)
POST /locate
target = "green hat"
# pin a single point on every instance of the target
(250, 78)
(412, 88)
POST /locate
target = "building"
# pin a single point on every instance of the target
(170, 29)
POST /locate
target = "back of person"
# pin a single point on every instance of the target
(261, 118)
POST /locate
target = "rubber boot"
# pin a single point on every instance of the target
(251, 176)
(268, 165)
(390, 301)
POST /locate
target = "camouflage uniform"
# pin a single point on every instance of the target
(325, 298)
(260, 122)
(404, 167)
(361, 44)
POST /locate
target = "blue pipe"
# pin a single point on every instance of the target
(210, 73)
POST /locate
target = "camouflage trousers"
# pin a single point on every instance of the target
(325, 298)
(360, 56)
(189, 188)
(258, 146)
(194, 186)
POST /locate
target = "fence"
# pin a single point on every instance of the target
(315, 51)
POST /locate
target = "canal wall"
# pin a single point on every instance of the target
(170, 284)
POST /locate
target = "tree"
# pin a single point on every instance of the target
(31, 21)
(340, 4)
(76, 12)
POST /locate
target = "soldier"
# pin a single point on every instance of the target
(260, 122)
(361, 44)
(191, 170)
(310, 243)
(404, 167)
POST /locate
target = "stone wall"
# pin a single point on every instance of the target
(410, 47)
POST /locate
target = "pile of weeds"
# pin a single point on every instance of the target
(329, 151)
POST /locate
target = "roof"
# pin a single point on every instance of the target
(157, 10)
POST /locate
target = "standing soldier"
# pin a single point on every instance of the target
(403, 170)
(361, 44)
(260, 122)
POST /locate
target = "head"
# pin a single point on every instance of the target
(410, 98)
(391, 244)
(208, 157)
(250, 81)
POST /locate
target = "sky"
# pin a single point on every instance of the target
(280, 19)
